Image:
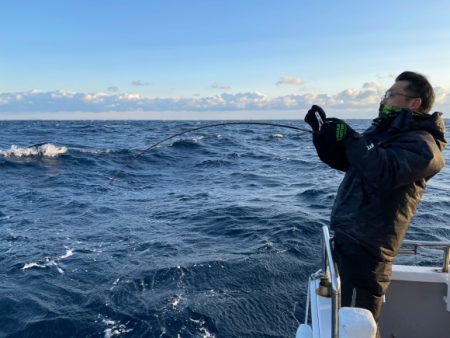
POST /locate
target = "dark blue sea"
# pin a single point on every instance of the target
(211, 234)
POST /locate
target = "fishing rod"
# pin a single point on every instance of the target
(121, 169)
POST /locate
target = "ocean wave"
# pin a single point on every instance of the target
(97, 151)
(49, 262)
(189, 144)
(214, 163)
(45, 150)
(311, 193)
(255, 180)
(277, 136)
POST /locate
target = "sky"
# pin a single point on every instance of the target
(208, 59)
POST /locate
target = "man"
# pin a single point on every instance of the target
(387, 168)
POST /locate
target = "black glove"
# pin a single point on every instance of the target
(335, 131)
(329, 142)
(315, 117)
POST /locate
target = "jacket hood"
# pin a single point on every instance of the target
(431, 123)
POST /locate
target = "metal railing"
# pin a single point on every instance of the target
(445, 246)
(330, 272)
(331, 275)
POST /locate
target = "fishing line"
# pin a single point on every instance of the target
(114, 177)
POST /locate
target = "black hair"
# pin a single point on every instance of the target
(420, 87)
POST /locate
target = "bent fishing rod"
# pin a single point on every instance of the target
(121, 169)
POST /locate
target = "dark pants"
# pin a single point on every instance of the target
(364, 280)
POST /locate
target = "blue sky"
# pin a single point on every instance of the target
(214, 59)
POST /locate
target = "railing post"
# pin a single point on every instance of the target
(336, 304)
(335, 283)
(324, 257)
(446, 259)
(444, 245)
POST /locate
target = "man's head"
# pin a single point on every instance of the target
(410, 90)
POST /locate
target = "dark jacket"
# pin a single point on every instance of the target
(388, 169)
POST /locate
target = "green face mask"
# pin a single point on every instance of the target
(386, 114)
(387, 110)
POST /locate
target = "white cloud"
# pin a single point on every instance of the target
(128, 97)
(442, 100)
(377, 86)
(95, 97)
(370, 94)
(362, 102)
(290, 80)
(442, 94)
(219, 86)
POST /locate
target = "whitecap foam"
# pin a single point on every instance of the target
(175, 301)
(46, 150)
(33, 265)
(115, 284)
(277, 136)
(115, 329)
(93, 151)
(198, 138)
(48, 262)
(53, 263)
(202, 328)
(68, 253)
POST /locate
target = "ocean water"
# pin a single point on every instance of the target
(211, 234)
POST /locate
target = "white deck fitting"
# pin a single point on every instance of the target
(320, 312)
(425, 274)
(321, 315)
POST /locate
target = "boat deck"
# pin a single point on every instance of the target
(416, 304)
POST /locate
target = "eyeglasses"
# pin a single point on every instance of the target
(391, 93)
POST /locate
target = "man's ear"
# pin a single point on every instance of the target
(415, 104)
